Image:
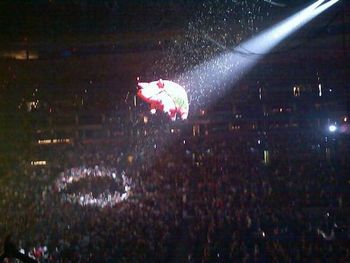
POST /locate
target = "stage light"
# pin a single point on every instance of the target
(332, 128)
(213, 78)
(208, 81)
(271, 37)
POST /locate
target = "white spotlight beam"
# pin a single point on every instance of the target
(270, 38)
(210, 79)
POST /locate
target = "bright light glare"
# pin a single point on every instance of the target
(332, 128)
(269, 38)
(211, 79)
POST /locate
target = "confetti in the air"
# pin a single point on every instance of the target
(217, 27)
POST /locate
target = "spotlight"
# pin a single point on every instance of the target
(332, 128)
(215, 76)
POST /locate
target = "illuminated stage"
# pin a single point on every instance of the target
(79, 186)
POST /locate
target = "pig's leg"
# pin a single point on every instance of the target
(184, 115)
(169, 105)
(172, 115)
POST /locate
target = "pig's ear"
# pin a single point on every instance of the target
(142, 85)
(160, 84)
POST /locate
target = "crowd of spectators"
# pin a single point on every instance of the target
(193, 199)
(98, 186)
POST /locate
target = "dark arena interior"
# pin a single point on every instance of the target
(257, 172)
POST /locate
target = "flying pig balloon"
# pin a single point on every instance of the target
(166, 96)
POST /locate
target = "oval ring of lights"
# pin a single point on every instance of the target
(106, 198)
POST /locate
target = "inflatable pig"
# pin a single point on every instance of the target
(166, 96)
